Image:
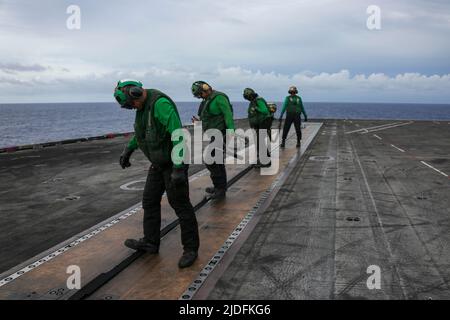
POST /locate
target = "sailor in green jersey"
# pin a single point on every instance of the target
(293, 105)
(259, 118)
(156, 119)
(215, 112)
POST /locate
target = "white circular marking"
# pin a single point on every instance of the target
(321, 158)
(126, 186)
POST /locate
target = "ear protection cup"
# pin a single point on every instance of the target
(205, 87)
(198, 87)
(135, 92)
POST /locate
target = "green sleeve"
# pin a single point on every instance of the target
(284, 106)
(225, 108)
(166, 114)
(262, 107)
(132, 144)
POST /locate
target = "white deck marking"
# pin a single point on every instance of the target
(390, 127)
(378, 137)
(127, 185)
(377, 212)
(375, 127)
(399, 149)
(430, 166)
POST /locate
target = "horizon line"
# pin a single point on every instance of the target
(240, 101)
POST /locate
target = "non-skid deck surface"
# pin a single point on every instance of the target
(101, 251)
(367, 195)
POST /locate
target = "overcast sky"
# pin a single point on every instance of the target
(322, 46)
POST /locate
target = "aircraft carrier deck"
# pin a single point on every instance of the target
(359, 194)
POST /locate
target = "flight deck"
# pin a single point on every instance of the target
(358, 194)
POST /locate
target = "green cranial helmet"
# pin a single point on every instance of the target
(127, 90)
(249, 94)
(198, 87)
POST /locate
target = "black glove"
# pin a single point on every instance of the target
(178, 177)
(125, 157)
(306, 119)
(279, 123)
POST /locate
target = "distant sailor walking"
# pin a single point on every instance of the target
(156, 118)
(293, 106)
(215, 112)
(260, 119)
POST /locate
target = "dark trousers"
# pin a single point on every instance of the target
(261, 143)
(158, 181)
(297, 120)
(217, 171)
(218, 175)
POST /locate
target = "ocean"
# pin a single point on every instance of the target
(22, 124)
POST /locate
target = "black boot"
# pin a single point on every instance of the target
(141, 245)
(283, 143)
(187, 259)
(298, 144)
(210, 189)
(218, 193)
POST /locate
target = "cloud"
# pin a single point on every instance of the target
(264, 43)
(314, 86)
(17, 67)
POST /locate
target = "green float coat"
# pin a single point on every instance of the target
(153, 128)
(216, 112)
(293, 104)
(258, 112)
